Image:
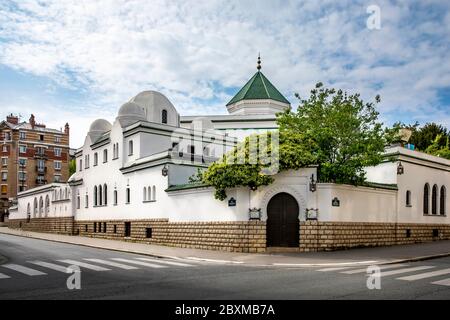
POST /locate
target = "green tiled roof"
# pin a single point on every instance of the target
(258, 87)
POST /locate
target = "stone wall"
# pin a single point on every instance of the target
(238, 236)
(62, 225)
(320, 236)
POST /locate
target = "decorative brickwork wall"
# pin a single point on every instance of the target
(321, 236)
(238, 236)
(47, 225)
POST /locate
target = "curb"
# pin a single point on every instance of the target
(242, 263)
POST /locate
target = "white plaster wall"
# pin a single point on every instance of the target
(385, 172)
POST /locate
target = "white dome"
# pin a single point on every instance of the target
(154, 104)
(98, 128)
(202, 124)
(130, 113)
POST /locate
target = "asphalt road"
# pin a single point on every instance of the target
(35, 269)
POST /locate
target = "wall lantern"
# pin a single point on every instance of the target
(312, 214)
(253, 187)
(400, 168)
(254, 213)
(165, 171)
(312, 184)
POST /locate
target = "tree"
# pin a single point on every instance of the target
(72, 167)
(425, 136)
(337, 132)
(345, 129)
(436, 149)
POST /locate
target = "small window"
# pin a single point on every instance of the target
(57, 165)
(86, 205)
(128, 196)
(22, 149)
(435, 233)
(426, 198)
(115, 197)
(5, 148)
(130, 147)
(57, 152)
(434, 197)
(99, 227)
(5, 162)
(22, 135)
(78, 201)
(4, 176)
(127, 232)
(442, 201)
(104, 227)
(85, 228)
(57, 139)
(105, 155)
(164, 116)
(95, 226)
(81, 164)
(115, 228)
(148, 233)
(408, 233)
(145, 194)
(41, 137)
(95, 159)
(408, 198)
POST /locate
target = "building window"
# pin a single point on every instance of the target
(86, 161)
(100, 195)
(57, 139)
(86, 200)
(408, 198)
(41, 137)
(115, 151)
(164, 116)
(426, 198)
(22, 149)
(7, 136)
(127, 230)
(128, 196)
(78, 200)
(130, 147)
(4, 189)
(148, 233)
(22, 135)
(115, 197)
(145, 194)
(95, 226)
(105, 194)
(442, 201)
(105, 155)
(434, 197)
(57, 152)
(22, 162)
(115, 228)
(154, 193)
(22, 176)
(4, 162)
(95, 159)
(81, 164)
(57, 178)
(5, 148)
(4, 176)
(57, 165)
(95, 196)
(104, 227)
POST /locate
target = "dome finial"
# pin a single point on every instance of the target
(259, 62)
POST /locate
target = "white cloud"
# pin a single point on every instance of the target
(189, 50)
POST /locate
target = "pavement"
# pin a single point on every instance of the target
(357, 256)
(40, 269)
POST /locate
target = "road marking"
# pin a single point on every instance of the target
(4, 276)
(334, 269)
(214, 260)
(426, 275)
(172, 263)
(24, 270)
(405, 270)
(324, 264)
(113, 264)
(382, 267)
(140, 263)
(85, 265)
(52, 266)
(445, 282)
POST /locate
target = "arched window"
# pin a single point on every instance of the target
(164, 116)
(442, 201)
(95, 159)
(35, 208)
(434, 197)
(95, 196)
(130, 147)
(105, 194)
(66, 194)
(86, 205)
(47, 205)
(28, 212)
(408, 198)
(41, 206)
(105, 155)
(426, 198)
(128, 198)
(100, 195)
(149, 193)
(78, 200)
(115, 197)
(145, 194)
(154, 193)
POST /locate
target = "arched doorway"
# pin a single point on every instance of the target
(282, 221)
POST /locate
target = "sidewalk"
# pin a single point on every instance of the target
(363, 256)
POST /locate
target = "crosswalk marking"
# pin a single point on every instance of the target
(52, 266)
(171, 263)
(24, 270)
(382, 267)
(404, 270)
(113, 264)
(4, 276)
(85, 265)
(140, 263)
(334, 269)
(426, 275)
(445, 282)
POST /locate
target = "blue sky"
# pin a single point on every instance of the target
(80, 60)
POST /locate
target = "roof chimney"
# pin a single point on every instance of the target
(32, 121)
(66, 129)
(12, 119)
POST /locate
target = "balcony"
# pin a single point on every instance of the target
(41, 181)
(41, 169)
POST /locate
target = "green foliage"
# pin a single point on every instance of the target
(345, 129)
(436, 149)
(72, 167)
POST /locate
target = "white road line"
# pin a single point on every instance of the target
(85, 265)
(24, 270)
(171, 263)
(214, 260)
(140, 263)
(445, 282)
(426, 275)
(52, 266)
(382, 267)
(325, 264)
(334, 269)
(113, 264)
(405, 270)
(4, 276)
